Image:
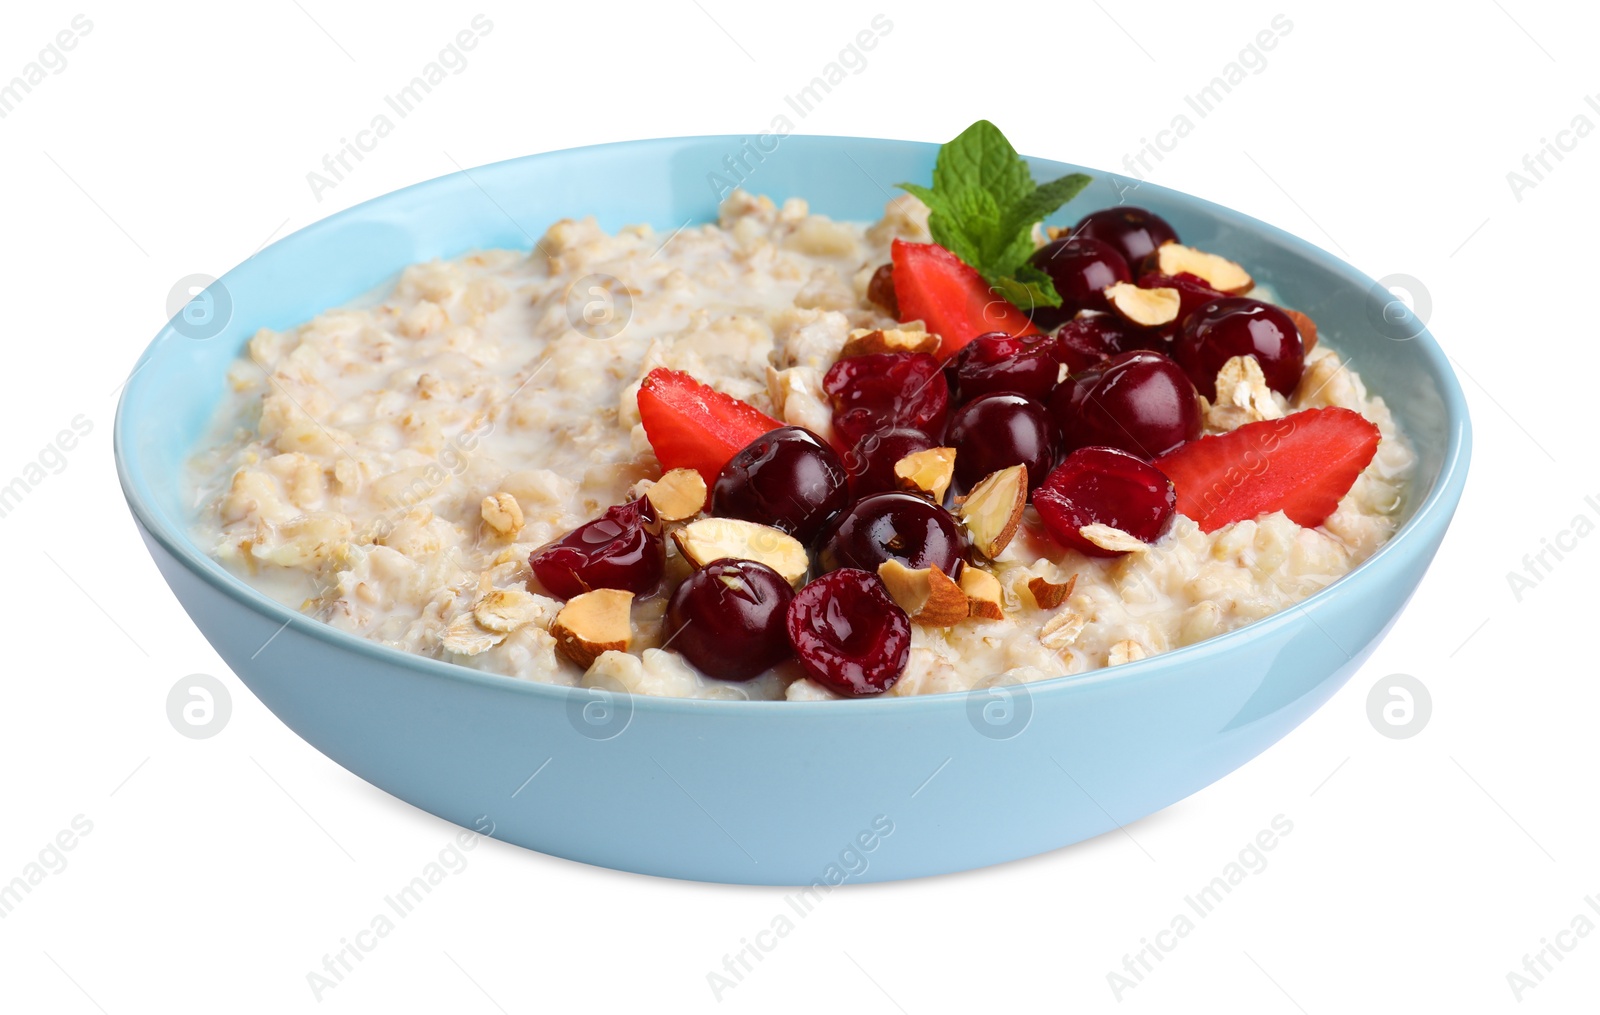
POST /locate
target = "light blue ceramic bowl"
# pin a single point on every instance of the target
(772, 792)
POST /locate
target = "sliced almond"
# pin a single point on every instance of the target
(709, 539)
(1109, 537)
(927, 472)
(1148, 308)
(927, 594)
(592, 623)
(1047, 595)
(1308, 327)
(679, 494)
(993, 510)
(866, 341)
(502, 513)
(1218, 272)
(985, 600)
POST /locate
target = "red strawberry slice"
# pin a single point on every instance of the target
(1300, 465)
(934, 286)
(692, 426)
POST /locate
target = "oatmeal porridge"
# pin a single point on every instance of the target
(617, 459)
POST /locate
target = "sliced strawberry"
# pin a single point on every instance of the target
(1300, 465)
(692, 426)
(934, 286)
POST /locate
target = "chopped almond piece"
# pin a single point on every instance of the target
(927, 472)
(1147, 308)
(984, 597)
(709, 539)
(866, 341)
(1219, 273)
(927, 594)
(993, 510)
(679, 494)
(1109, 537)
(1047, 594)
(592, 623)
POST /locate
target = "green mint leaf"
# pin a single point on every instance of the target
(1044, 200)
(983, 206)
(1028, 288)
(980, 158)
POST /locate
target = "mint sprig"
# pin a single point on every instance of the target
(983, 206)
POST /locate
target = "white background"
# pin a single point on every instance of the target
(219, 872)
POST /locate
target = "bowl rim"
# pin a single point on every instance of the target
(1434, 513)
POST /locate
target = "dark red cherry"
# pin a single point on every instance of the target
(729, 619)
(1138, 401)
(621, 549)
(1105, 486)
(1081, 267)
(1024, 364)
(998, 431)
(1238, 326)
(894, 526)
(850, 637)
(885, 390)
(1133, 232)
(871, 462)
(1091, 337)
(788, 478)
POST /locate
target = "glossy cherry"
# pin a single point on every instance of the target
(871, 462)
(1239, 326)
(886, 390)
(998, 431)
(1024, 364)
(729, 619)
(893, 526)
(849, 636)
(788, 478)
(1081, 267)
(1133, 232)
(1089, 338)
(621, 549)
(1140, 401)
(1108, 487)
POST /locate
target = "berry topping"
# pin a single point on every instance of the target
(849, 635)
(884, 391)
(788, 478)
(1081, 268)
(1237, 326)
(693, 426)
(995, 431)
(871, 462)
(1098, 497)
(1133, 232)
(1026, 365)
(1302, 465)
(1089, 338)
(622, 549)
(729, 617)
(894, 526)
(950, 298)
(1138, 401)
